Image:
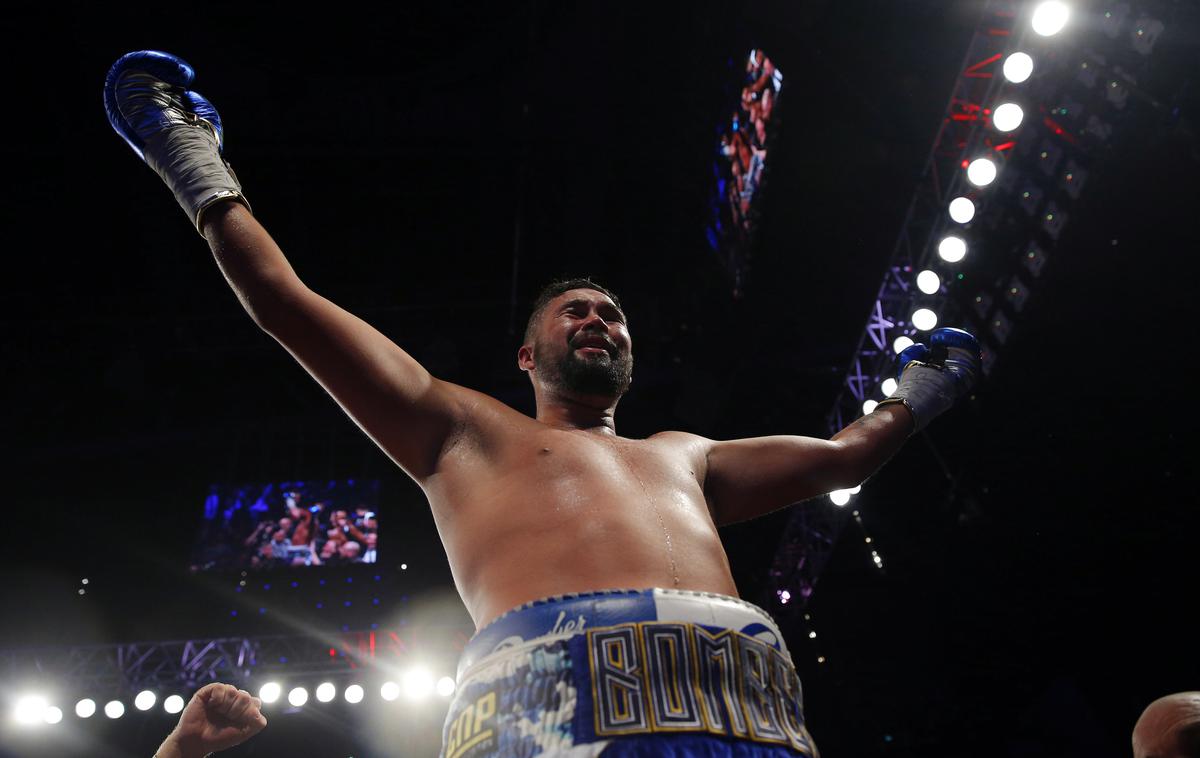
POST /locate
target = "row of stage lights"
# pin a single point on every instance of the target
(416, 685)
(1049, 18)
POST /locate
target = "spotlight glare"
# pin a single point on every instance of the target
(445, 686)
(855, 490)
(981, 172)
(868, 406)
(145, 700)
(53, 714)
(30, 710)
(85, 708)
(173, 704)
(924, 319)
(354, 693)
(418, 683)
(114, 709)
(902, 343)
(840, 497)
(889, 385)
(952, 249)
(298, 697)
(962, 209)
(389, 691)
(1049, 18)
(1007, 117)
(326, 691)
(928, 282)
(270, 692)
(1018, 67)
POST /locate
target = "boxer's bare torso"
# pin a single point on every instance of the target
(527, 511)
(532, 507)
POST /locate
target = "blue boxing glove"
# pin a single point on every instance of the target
(175, 130)
(932, 377)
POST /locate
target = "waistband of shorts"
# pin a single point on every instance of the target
(564, 616)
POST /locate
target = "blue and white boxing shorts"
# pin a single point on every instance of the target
(665, 673)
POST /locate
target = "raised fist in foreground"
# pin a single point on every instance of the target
(217, 717)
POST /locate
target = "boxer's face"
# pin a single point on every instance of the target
(583, 345)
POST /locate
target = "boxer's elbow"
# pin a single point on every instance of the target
(274, 304)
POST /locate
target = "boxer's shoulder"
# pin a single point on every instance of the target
(684, 442)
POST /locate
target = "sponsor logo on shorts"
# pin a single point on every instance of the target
(674, 677)
(472, 731)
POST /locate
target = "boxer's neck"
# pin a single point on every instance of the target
(589, 413)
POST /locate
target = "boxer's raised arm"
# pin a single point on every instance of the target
(405, 410)
(749, 478)
(752, 477)
(179, 134)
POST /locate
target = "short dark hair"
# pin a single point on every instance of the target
(556, 288)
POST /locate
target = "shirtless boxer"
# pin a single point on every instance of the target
(607, 618)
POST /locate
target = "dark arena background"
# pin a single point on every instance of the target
(1021, 580)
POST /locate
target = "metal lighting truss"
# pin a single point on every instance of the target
(812, 531)
(1076, 110)
(185, 665)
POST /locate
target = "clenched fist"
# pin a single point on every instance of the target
(218, 716)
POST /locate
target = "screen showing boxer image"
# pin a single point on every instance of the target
(742, 156)
(281, 525)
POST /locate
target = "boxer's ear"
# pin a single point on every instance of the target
(525, 358)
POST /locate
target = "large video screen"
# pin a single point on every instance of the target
(742, 157)
(288, 524)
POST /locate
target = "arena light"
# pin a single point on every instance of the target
(1050, 17)
(839, 497)
(270, 692)
(53, 714)
(114, 709)
(354, 693)
(173, 704)
(1018, 67)
(952, 249)
(929, 282)
(855, 490)
(30, 710)
(418, 683)
(85, 708)
(326, 691)
(902, 343)
(145, 700)
(888, 387)
(981, 172)
(962, 209)
(869, 406)
(1007, 117)
(298, 697)
(445, 686)
(389, 691)
(924, 319)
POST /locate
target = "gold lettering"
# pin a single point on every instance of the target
(485, 708)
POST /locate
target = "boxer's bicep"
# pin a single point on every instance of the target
(405, 410)
(752, 477)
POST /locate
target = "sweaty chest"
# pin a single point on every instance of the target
(574, 470)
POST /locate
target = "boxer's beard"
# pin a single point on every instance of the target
(586, 375)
